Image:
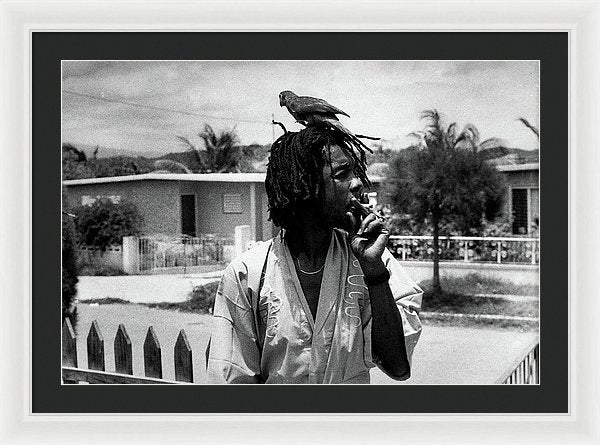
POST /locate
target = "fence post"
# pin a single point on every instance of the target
(131, 255)
(69, 344)
(499, 252)
(533, 250)
(95, 348)
(242, 238)
(123, 354)
(69, 347)
(466, 252)
(152, 355)
(183, 359)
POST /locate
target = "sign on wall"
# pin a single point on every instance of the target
(232, 203)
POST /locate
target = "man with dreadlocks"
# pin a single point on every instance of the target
(324, 301)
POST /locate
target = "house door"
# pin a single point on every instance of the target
(188, 215)
(520, 210)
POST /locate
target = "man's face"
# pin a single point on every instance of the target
(340, 186)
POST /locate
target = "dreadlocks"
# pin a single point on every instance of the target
(295, 169)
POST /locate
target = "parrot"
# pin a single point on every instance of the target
(308, 110)
(313, 111)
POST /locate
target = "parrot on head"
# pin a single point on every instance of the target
(308, 110)
(313, 111)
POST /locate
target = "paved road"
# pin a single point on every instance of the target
(444, 355)
(459, 355)
(141, 288)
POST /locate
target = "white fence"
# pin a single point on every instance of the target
(163, 252)
(467, 249)
(151, 254)
(179, 253)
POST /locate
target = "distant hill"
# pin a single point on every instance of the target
(255, 151)
(108, 152)
(517, 156)
(187, 158)
(112, 162)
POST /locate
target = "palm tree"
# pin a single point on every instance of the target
(446, 178)
(438, 142)
(469, 138)
(221, 152)
(489, 148)
(531, 127)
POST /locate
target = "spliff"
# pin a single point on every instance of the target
(363, 210)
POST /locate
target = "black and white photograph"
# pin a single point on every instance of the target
(290, 222)
(301, 222)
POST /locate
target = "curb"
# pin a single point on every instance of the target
(508, 297)
(430, 315)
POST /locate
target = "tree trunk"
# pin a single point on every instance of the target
(435, 220)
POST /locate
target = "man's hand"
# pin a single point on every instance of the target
(368, 239)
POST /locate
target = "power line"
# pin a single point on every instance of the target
(168, 110)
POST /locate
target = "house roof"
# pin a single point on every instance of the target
(518, 167)
(193, 177)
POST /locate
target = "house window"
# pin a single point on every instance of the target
(525, 210)
(232, 203)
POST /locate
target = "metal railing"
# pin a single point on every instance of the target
(182, 251)
(526, 369)
(500, 250)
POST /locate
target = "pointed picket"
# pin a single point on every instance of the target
(123, 353)
(95, 348)
(183, 359)
(69, 344)
(152, 355)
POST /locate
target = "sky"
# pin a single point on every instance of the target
(164, 99)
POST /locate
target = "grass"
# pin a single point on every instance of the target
(515, 325)
(474, 284)
(466, 304)
(107, 300)
(458, 296)
(100, 271)
(201, 299)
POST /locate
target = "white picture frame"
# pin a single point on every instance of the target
(581, 19)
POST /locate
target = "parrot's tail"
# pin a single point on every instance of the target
(362, 136)
(351, 137)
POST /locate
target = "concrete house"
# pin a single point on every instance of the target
(194, 204)
(191, 204)
(522, 200)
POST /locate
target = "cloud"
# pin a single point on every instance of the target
(384, 98)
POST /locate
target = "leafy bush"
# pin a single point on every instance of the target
(105, 223)
(202, 298)
(69, 270)
(404, 224)
(497, 228)
(75, 163)
(100, 270)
